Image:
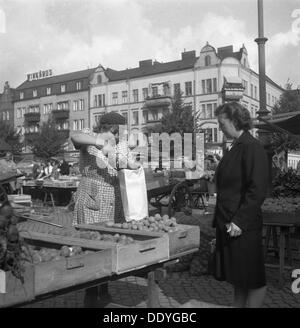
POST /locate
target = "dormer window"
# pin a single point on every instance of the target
(21, 95)
(34, 92)
(207, 60)
(48, 91)
(62, 88)
(245, 62)
(99, 79)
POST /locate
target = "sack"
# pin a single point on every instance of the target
(133, 193)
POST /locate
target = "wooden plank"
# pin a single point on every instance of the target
(13, 291)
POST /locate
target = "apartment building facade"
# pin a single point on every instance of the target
(6, 104)
(142, 94)
(65, 97)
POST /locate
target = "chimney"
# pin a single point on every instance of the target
(145, 63)
(225, 50)
(188, 54)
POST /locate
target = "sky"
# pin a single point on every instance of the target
(71, 35)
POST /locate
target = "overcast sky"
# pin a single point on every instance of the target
(70, 35)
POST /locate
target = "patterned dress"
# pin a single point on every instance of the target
(98, 197)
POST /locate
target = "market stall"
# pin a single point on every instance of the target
(60, 257)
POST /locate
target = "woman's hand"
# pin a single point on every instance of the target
(233, 230)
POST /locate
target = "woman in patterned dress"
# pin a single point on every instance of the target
(98, 197)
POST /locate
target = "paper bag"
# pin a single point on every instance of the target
(133, 193)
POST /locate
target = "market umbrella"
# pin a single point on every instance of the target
(286, 122)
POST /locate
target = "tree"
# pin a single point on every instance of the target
(49, 141)
(10, 136)
(289, 101)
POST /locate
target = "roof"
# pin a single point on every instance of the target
(57, 79)
(225, 52)
(155, 68)
(269, 81)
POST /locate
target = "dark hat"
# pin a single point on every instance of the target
(112, 118)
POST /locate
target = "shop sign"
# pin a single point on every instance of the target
(39, 75)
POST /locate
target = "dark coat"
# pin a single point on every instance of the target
(242, 182)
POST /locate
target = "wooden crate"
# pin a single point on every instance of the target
(185, 239)
(13, 291)
(67, 272)
(144, 251)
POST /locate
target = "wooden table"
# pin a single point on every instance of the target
(284, 222)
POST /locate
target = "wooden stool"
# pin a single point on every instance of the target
(284, 244)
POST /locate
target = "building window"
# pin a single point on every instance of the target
(78, 86)
(269, 100)
(215, 135)
(62, 88)
(47, 108)
(34, 93)
(209, 111)
(115, 98)
(251, 90)
(34, 109)
(99, 79)
(245, 85)
(215, 88)
(208, 86)
(81, 104)
(145, 116)
(97, 118)
(145, 93)
(19, 112)
(255, 92)
(208, 133)
(4, 116)
(203, 86)
(188, 88)
(124, 97)
(99, 100)
(135, 117)
(154, 115)
(177, 89)
(245, 62)
(125, 115)
(78, 125)
(207, 60)
(135, 94)
(48, 91)
(154, 91)
(63, 105)
(21, 95)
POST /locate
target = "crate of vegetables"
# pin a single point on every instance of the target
(128, 252)
(180, 238)
(60, 263)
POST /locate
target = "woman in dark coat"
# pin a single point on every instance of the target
(242, 182)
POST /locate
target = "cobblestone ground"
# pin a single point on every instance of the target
(185, 281)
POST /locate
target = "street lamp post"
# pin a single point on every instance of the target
(261, 40)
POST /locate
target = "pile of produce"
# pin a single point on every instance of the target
(37, 254)
(155, 223)
(281, 205)
(10, 242)
(96, 235)
(286, 184)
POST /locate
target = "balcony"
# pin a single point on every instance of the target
(30, 136)
(158, 101)
(61, 114)
(32, 117)
(63, 133)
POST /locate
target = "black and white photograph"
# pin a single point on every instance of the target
(149, 157)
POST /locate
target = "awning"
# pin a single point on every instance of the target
(4, 146)
(286, 122)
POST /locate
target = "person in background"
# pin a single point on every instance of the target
(42, 173)
(48, 169)
(64, 168)
(242, 183)
(98, 196)
(55, 172)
